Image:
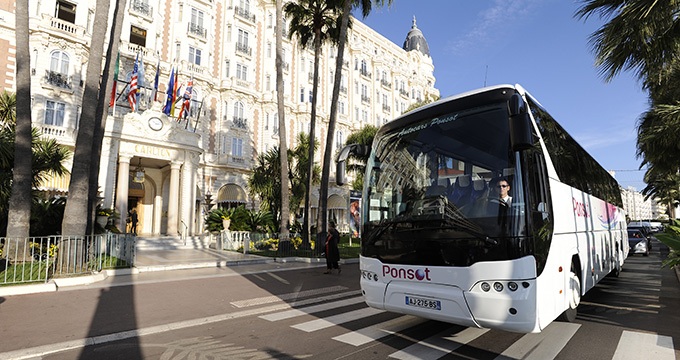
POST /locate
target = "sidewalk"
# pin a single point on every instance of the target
(171, 265)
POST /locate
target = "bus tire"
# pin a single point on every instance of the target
(574, 293)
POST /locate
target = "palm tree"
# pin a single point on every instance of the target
(102, 112)
(47, 158)
(664, 186)
(347, 5)
(299, 170)
(312, 22)
(283, 145)
(76, 212)
(8, 108)
(640, 36)
(18, 219)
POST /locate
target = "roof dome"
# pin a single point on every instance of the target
(415, 40)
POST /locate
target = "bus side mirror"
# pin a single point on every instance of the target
(353, 149)
(521, 134)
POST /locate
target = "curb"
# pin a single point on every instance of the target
(55, 284)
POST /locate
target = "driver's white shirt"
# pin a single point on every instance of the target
(507, 200)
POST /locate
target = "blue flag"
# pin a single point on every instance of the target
(170, 102)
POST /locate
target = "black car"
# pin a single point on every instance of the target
(638, 242)
(646, 231)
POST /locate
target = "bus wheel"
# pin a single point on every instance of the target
(574, 293)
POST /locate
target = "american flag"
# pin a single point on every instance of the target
(187, 99)
(132, 95)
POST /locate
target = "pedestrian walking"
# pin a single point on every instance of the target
(332, 252)
(134, 220)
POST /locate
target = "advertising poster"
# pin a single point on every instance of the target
(355, 213)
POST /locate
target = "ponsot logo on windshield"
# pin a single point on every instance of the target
(410, 274)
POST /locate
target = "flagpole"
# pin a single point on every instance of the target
(199, 115)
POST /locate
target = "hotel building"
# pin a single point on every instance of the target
(167, 169)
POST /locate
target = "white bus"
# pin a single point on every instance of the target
(437, 240)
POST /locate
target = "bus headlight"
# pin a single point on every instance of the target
(486, 286)
(368, 275)
(512, 286)
(498, 286)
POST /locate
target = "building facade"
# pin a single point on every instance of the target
(169, 168)
(637, 208)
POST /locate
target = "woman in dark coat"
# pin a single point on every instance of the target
(332, 252)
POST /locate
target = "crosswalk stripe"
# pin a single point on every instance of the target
(319, 324)
(375, 332)
(544, 345)
(312, 309)
(284, 297)
(637, 345)
(438, 345)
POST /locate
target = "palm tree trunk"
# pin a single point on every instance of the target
(18, 222)
(312, 132)
(102, 112)
(75, 212)
(325, 173)
(283, 145)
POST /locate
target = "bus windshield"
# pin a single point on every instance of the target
(446, 191)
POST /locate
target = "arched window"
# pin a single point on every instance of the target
(59, 62)
(238, 111)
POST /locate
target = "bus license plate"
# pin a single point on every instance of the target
(423, 303)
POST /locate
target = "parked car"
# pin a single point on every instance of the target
(657, 226)
(642, 224)
(638, 242)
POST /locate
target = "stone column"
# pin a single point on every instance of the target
(122, 190)
(173, 199)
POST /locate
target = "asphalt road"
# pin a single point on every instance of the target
(296, 312)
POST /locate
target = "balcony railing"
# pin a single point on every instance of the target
(64, 26)
(244, 13)
(385, 83)
(197, 30)
(366, 99)
(365, 73)
(141, 8)
(343, 89)
(244, 49)
(310, 77)
(386, 108)
(240, 123)
(57, 79)
(403, 92)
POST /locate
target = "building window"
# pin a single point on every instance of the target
(242, 42)
(194, 55)
(269, 21)
(137, 36)
(269, 50)
(66, 11)
(238, 111)
(338, 139)
(196, 24)
(178, 48)
(275, 125)
(241, 72)
(302, 95)
(266, 121)
(341, 107)
(268, 83)
(54, 113)
(237, 147)
(311, 95)
(59, 62)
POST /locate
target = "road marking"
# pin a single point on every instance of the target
(638, 345)
(278, 278)
(319, 324)
(378, 331)
(312, 309)
(284, 297)
(102, 339)
(439, 345)
(544, 345)
(626, 308)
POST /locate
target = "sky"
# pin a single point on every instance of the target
(540, 45)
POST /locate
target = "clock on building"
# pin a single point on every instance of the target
(155, 123)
